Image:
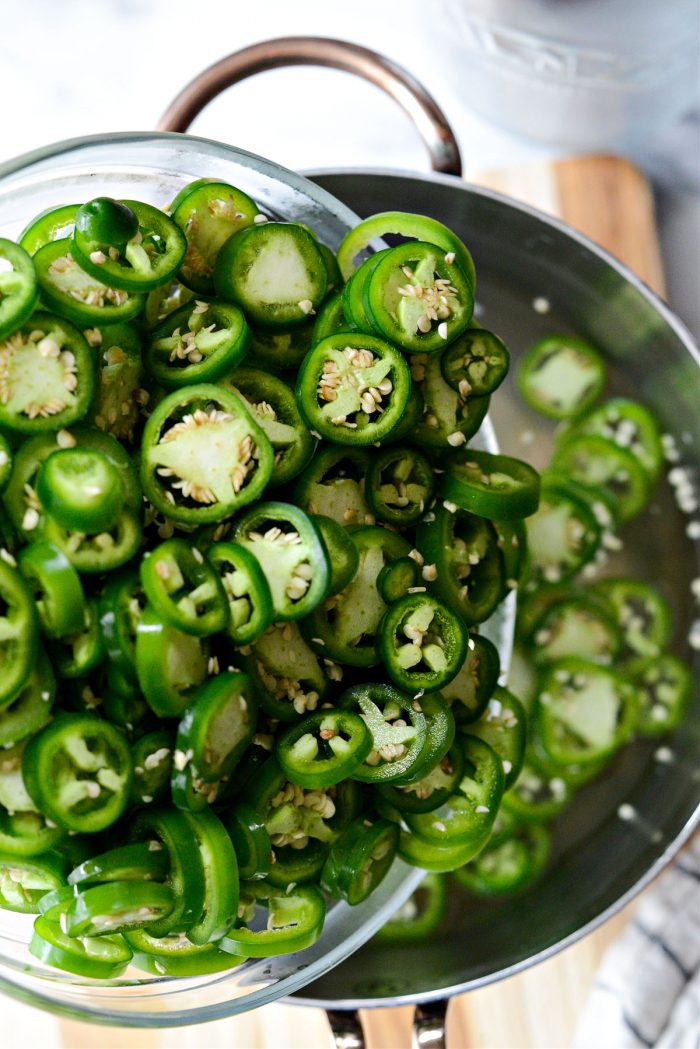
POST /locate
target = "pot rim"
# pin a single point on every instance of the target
(693, 821)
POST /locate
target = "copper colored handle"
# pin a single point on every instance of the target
(421, 107)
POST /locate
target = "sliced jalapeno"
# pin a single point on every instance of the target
(664, 688)
(200, 342)
(186, 877)
(432, 789)
(360, 859)
(81, 489)
(179, 473)
(563, 535)
(405, 224)
(598, 463)
(343, 556)
(509, 866)
(503, 725)
(422, 642)
(463, 561)
(398, 729)
(584, 712)
(247, 592)
(128, 244)
(251, 842)
(643, 617)
(466, 818)
(476, 363)
(47, 376)
(18, 631)
(344, 627)
(576, 626)
(18, 287)
(420, 916)
(288, 548)
(84, 298)
(493, 486)
(626, 423)
(23, 881)
(53, 224)
(274, 271)
(353, 388)
(472, 687)
(142, 861)
(117, 905)
(97, 957)
(218, 725)
(448, 419)
(324, 748)
(75, 655)
(288, 677)
(184, 589)
(561, 376)
(208, 213)
(152, 755)
(294, 921)
(333, 485)
(175, 955)
(169, 664)
(78, 772)
(418, 297)
(399, 485)
(272, 403)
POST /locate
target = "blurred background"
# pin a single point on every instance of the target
(518, 79)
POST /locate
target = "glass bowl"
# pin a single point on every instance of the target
(152, 168)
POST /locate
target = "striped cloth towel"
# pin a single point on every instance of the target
(647, 991)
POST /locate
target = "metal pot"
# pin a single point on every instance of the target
(600, 860)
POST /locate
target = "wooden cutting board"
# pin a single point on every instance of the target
(609, 200)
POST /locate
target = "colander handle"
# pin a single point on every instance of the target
(420, 106)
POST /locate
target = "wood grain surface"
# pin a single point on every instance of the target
(609, 200)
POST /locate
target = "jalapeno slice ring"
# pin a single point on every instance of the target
(422, 642)
(353, 388)
(59, 593)
(476, 363)
(273, 405)
(84, 298)
(274, 271)
(47, 376)
(561, 376)
(18, 287)
(493, 486)
(417, 299)
(97, 957)
(184, 588)
(295, 920)
(398, 729)
(150, 256)
(246, 589)
(18, 637)
(204, 457)
(324, 748)
(208, 213)
(290, 552)
(78, 772)
(200, 342)
(399, 485)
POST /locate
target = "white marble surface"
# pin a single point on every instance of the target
(75, 67)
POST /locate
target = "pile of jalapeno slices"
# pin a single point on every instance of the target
(592, 663)
(245, 555)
